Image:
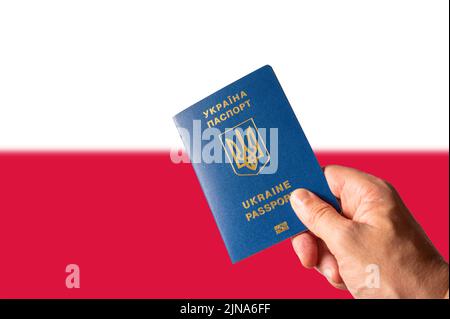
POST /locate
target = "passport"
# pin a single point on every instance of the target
(250, 153)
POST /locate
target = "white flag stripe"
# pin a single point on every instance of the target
(111, 74)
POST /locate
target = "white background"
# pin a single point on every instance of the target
(111, 74)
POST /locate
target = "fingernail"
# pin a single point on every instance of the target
(328, 273)
(299, 196)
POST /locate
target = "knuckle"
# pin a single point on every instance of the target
(390, 198)
(388, 189)
(380, 184)
(385, 187)
(319, 211)
(380, 188)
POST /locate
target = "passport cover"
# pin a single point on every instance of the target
(261, 157)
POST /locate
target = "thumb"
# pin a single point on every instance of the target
(320, 217)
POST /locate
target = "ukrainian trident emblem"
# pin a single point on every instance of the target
(245, 148)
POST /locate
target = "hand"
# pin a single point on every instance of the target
(375, 249)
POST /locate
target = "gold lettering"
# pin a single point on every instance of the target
(279, 188)
(226, 103)
(287, 185)
(223, 117)
(265, 196)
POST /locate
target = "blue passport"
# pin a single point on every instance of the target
(250, 153)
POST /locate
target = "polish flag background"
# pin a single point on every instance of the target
(87, 94)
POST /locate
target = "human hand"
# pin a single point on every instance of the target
(376, 235)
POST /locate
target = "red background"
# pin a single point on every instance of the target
(139, 227)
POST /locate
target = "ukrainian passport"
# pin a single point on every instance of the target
(250, 153)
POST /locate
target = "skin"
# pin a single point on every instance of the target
(376, 234)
